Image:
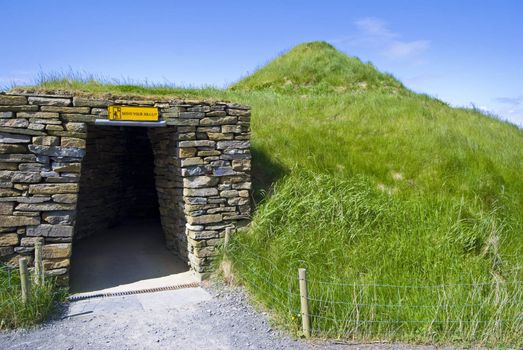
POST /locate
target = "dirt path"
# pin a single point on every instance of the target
(196, 318)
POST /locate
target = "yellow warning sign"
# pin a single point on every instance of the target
(133, 113)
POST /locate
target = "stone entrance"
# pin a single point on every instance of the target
(64, 178)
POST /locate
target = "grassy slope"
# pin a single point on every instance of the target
(318, 67)
(376, 185)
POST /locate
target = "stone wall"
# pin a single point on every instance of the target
(50, 151)
(169, 187)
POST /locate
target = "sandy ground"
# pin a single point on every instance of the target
(134, 251)
(193, 318)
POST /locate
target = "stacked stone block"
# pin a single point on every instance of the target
(202, 172)
(169, 189)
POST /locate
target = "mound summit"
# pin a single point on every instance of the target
(319, 67)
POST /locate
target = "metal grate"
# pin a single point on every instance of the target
(133, 292)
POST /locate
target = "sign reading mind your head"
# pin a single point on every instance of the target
(133, 113)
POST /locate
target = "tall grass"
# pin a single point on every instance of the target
(13, 312)
(381, 267)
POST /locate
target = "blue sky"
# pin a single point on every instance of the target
(463, 52)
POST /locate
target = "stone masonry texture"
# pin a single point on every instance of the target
(62, 178)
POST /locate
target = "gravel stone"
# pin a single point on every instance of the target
(226, 321)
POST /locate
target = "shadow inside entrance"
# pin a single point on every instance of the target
(128, 253)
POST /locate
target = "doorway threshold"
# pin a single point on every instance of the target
(171, 282)
(132, 255)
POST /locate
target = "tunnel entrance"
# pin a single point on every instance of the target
(70, 174)
(120, 235)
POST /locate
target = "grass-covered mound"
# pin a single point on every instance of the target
(386, 195)
(318, 67)
(380, 193)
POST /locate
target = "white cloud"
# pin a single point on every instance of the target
(485, 109)
(374, 26)
(374, 33)
(512, 101)
(513, 115)
(511, 108)
(406, 49)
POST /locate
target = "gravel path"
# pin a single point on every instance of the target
(196, 318)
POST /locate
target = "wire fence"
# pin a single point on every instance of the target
(478, 311)
(9, 284)
(7, 277)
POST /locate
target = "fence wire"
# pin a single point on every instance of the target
(417, 286)
(427, 321)
(6, 277)
(477, 311)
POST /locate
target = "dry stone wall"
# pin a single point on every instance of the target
(202, 166)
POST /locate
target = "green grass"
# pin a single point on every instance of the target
(364, 182)
(13, 312)
(318, 67)
(347, 232)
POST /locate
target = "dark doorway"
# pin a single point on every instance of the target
(118, 232)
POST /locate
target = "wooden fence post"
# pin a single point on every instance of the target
(227, 238)
(39, 264)
(24, 280)
(304, 300)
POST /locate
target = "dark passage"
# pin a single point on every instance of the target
(117, 179)
(118, 234)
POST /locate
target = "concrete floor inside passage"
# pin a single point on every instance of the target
(130, 256)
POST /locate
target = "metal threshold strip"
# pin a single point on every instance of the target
(107, 122)
(133, 292)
